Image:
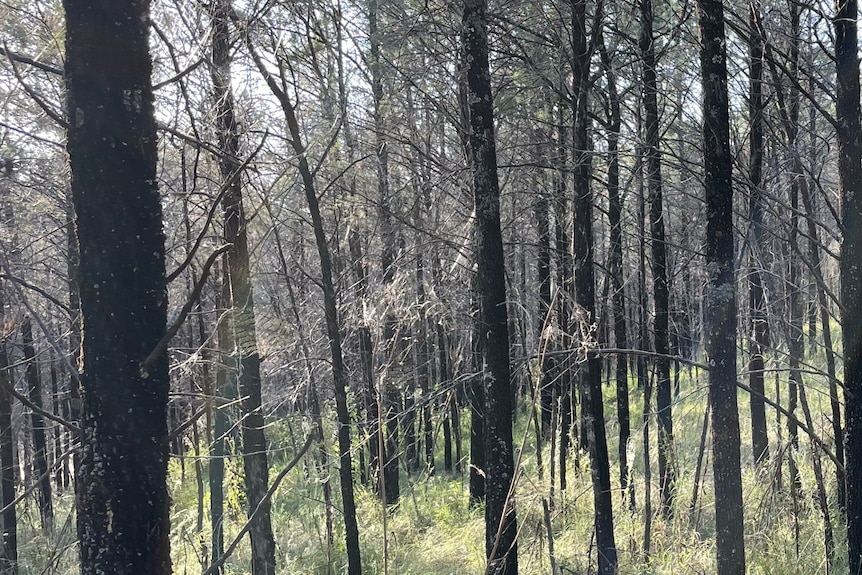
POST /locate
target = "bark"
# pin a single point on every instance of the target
(585, 298)
(225, 386)
(37, 422)
(254, 457)
(850, 191)
(122, 498)
(756, 296)
(618, 300)
(501, 546)
(659, 261)
(720, 312)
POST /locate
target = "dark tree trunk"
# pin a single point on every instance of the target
(122, 498)
(850, 190)
(585, 298)
(559, 388)
(476, 394)
(501, 547)
(254, 458)
(542, 215)
(720, 312)
(37, 422)
(659, 261)
(756, 297)
(57, 435)
(615, 210)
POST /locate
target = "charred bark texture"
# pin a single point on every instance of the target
(122, 498)
(850, 190)
(720, 306)
(501, 547)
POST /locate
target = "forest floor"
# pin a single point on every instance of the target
(434, 531)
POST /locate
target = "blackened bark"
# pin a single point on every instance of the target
(615, 210)
(501, 547)
(559, 387)
(720, 312)
(850, 190)
(37, 422)
(585, 298)
(543, 265)
(756, 296)
(254, 457)
(122, 498)
(225, 386)
(659, 261)
(476, 394)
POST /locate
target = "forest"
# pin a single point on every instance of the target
(430, 287)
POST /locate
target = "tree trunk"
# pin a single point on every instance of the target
(122, 498)
(37, 422)
(254, 457)
(659, 261)
(850, 190)
(225, 386)
(501, 547)
(756, 297)
(591, 384)
(615, 210)
(720, 312)
(330, 304)
(387, 261)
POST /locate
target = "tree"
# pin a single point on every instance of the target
(254, 456)
(40, 454)
(585, 296)
(330, 303)
(122, 497)
(720, 306)
(756, 296)
(501, 527)
(661, 292)
(848, 128)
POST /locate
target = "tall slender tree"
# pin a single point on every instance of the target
(720, 308)
(661, 291)
(585, 295)
(501, 528)
(756, 295)
(254, 448)
(847, 112)
(40, 449)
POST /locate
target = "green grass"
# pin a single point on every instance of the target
(434, 531)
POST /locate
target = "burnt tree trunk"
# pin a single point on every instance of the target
(720, 312)
(122, 497)
(659, 261)
(501, 547)
(850, 190)
(756, 297)
(585, 298)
